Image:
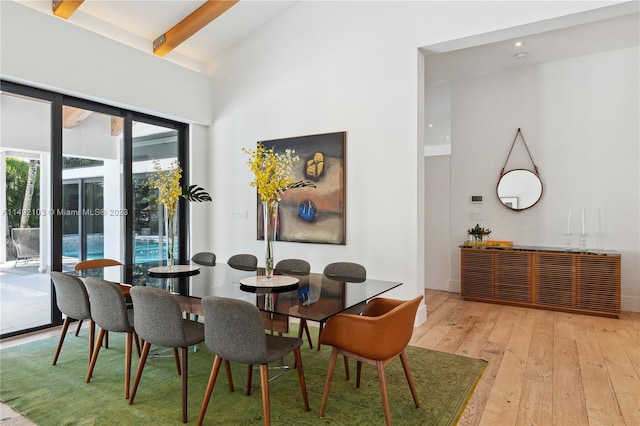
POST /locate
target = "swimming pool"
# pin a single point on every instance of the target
(147, 249)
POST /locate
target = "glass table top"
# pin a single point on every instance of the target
(315, 297)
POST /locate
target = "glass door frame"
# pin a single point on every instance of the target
(57, 101)
(82, 183)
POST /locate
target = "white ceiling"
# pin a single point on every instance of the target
(569, 38)
(138, 23)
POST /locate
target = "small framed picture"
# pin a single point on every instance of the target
(511, 202)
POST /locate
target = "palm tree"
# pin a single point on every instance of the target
(28, 194)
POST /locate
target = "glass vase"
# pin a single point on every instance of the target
(170, 224)
(270, 224)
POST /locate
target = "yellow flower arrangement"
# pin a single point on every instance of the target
(167, 182)
(272, 171)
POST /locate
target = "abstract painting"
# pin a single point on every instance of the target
(312, 215)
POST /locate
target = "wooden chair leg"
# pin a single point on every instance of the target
(96, 352)
(143, 360)
(320, 332)
(249, 374)
(92, 337)
(266, 404)
(346, 367)
(106, 340)
(358, 371)
(137, 340)
(185, 376)
(303, 384)
(210, 384)
(227, 368)
(327, 383)
(177, 358)
(304, 328)
(407, 372)
(79, 327)
(127, 363)
(65, 327)
(383, 390)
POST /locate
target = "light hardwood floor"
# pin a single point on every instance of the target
(545, 367)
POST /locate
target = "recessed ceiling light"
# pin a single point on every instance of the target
(430, 125)
(520, 55)
(518, 43)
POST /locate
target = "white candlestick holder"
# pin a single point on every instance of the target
(567, 241)
(583, 242)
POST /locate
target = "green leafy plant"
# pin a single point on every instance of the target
(195, 193)
(478, 231)
(167, 182)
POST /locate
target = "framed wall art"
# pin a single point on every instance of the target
(312, 215)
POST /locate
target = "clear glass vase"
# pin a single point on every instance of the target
(170, 224)
(270, 224)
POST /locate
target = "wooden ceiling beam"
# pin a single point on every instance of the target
(65, 8)
(117, 123)
(190, 25)
(72, 116)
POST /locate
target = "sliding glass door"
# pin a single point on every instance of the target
(152, 144)
(86, 167)
(92, 201)
(83, 221)
(25, 256)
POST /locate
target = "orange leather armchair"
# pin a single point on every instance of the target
(376, 337)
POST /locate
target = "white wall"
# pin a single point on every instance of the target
(320, 67)
(352, 66)
(437, 260)
(580, 119)
(48, 52)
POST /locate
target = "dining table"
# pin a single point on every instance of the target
(313, 296)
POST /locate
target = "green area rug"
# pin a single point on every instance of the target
(58, 395)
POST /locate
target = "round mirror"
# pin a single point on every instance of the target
(519, 189)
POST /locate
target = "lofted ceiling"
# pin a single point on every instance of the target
(603, 30)
(138, 23)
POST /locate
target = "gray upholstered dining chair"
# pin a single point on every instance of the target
(347, 272)
(205, 258)
(243, 261)
(73, 301)
(93, 264)
(158, 321)
(298, 267)
(234, 332)
(293, 266)
(109, 311)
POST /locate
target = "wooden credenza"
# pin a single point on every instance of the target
(583, 282)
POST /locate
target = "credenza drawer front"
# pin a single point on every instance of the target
(477, 274)
(554, 283)
(513, 276)
(599, 280)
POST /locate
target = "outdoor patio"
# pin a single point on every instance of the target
(25, 295)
